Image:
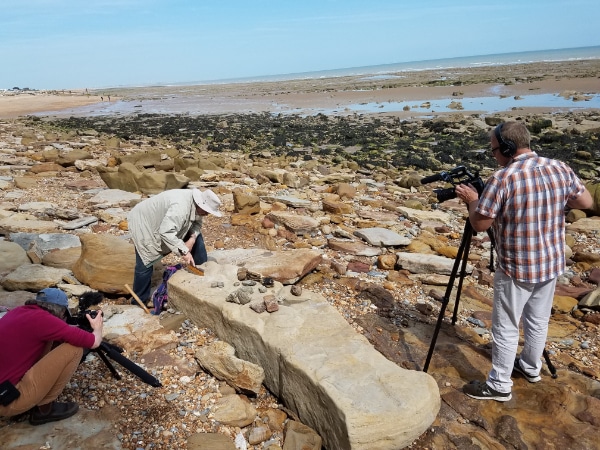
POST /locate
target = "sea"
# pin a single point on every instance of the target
(188, 97)
(386, 70)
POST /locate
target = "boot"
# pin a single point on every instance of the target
(51, 412)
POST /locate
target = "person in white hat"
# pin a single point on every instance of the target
(33, 373)
(169, 222)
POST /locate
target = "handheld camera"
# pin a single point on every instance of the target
(456, 176)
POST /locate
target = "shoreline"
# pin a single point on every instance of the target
(565, 78)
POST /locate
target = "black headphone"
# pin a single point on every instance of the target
(507, 147)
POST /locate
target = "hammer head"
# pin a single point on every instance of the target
(195, 270)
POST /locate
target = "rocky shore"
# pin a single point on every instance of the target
(324, 183)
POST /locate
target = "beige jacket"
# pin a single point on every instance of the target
(159, 224)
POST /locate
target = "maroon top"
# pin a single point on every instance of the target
(24, 333)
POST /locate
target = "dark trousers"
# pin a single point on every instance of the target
(142, 275)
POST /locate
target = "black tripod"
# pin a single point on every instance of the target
(462, 256)
(106, 351)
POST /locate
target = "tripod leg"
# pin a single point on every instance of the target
(551, 367)
(463, 267)
(463, 250)
(113, 353)
(108, 364)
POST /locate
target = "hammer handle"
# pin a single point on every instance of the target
(137, 299)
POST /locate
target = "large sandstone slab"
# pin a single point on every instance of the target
(323, 370)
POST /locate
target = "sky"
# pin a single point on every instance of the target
(77, 44)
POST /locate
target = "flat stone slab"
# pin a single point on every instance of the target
(86, 429)
(287, 267)
(382, 237)
(294, 202)
(420, 216)
(426, 263)
(314, 361)
(46, 242)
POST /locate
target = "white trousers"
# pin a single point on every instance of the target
(513, 301)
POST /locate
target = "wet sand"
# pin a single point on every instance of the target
(572, 78)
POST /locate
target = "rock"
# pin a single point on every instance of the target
(425, 263)
(586, 226)
(67, 433)
(285, 267)
(129, 178)
(591, 300)
(10, 300)
(26, 223)
(295, 223)
(212, 441)
(33, 277)
(113, 197)
(46, 242)
(353, 247)
(234, 410)
(244, 203)
(346, 191)
(12, 255)
(219, 359)
(294, 202)
(391, 410)
(62, 258)
(337, 207)
(563, 304)
(420, 216)
(299, 436)
(382, 237)
(106, 263)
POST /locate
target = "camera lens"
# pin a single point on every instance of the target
(445, 194)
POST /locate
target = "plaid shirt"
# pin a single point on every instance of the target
(527, 198)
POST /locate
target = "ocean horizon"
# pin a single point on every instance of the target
(189, 98)
(387, 70)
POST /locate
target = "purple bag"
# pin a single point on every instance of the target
(160, 296)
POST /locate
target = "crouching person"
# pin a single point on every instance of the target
(34, 371)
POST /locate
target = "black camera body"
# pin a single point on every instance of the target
(456, 176)
(85, 301)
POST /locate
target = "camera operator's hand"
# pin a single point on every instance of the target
(97, 324)
(467, 193)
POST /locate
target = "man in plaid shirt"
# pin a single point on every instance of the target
(524, 203)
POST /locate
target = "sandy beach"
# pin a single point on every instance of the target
(13, 104)
(571, 79)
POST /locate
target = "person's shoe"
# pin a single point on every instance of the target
(531, 378)
(148, 303)
(481, 391)
(56, 411)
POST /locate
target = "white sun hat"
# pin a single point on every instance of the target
(208, 201)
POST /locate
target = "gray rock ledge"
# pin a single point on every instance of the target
(314, 362)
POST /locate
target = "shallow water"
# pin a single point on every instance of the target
(198, 105)
(483, 104)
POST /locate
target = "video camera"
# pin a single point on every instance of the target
(86, 300)
(456, 176)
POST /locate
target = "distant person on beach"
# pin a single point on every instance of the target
(169, 222)
(32, 368)
(524, 203)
